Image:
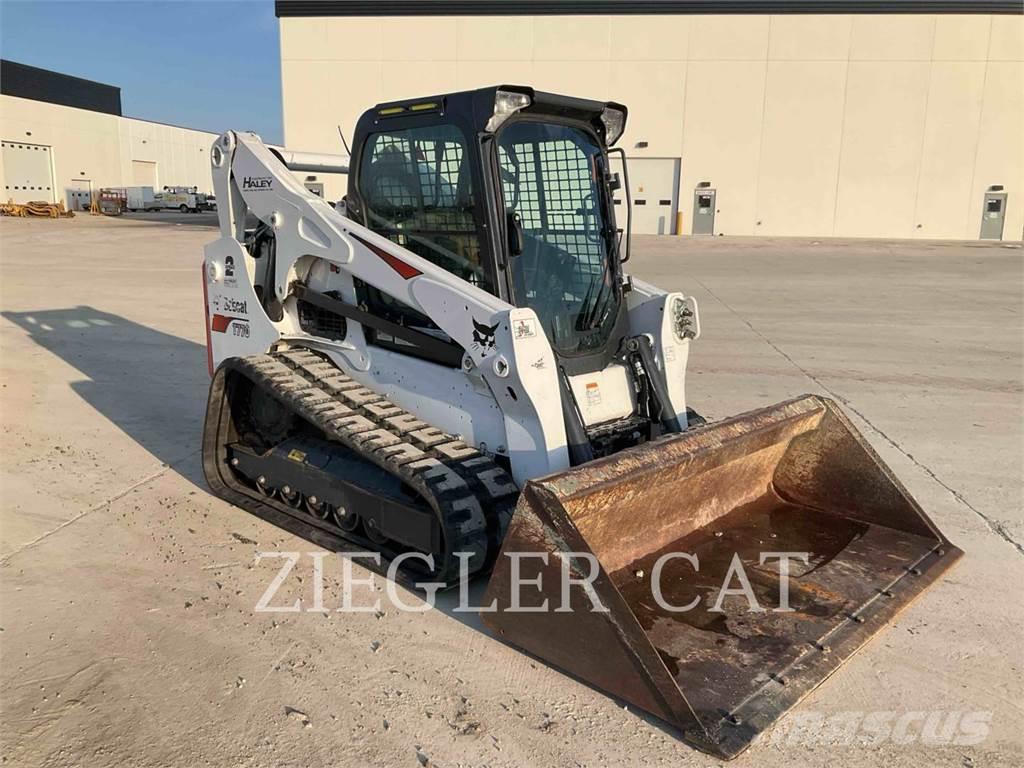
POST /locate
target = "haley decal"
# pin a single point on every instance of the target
(257, 183)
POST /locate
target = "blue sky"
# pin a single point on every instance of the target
(213, 64)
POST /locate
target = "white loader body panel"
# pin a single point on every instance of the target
(504, 399)
(604, 396)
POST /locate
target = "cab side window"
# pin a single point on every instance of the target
(417, 189)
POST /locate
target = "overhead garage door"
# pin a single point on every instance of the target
(654, 189)
(144, 173)
(28, 172)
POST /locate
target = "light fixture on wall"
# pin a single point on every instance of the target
(641, 145)
(28, 133)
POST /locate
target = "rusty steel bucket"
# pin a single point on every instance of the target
(795, 477)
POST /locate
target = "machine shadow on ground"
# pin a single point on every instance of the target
(153, 386)
(150, 384)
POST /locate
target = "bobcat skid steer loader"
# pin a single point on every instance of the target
(457, 372)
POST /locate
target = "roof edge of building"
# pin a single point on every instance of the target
(28, 82)
(171, 125)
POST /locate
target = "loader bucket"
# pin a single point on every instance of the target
(795, 477)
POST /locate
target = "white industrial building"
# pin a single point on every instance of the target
(825, 118)
(64, 138)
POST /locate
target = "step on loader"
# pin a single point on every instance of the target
(450, 367)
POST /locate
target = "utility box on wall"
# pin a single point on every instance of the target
(704, 209)
(993, 213)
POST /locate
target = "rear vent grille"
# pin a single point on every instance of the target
(321, 322)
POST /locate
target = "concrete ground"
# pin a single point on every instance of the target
(127, 625)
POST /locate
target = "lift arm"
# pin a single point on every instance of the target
(503, 344)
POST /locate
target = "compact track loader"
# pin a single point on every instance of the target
(455, 371)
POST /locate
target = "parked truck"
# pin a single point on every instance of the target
(141, 199)
(185, 199)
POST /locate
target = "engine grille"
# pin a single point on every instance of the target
(321, 322)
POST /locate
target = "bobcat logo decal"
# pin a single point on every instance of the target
(483, 336)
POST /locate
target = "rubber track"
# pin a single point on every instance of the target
(473, 497)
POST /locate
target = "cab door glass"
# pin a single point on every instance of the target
(550, 175)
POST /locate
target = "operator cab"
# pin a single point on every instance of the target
(509, 189)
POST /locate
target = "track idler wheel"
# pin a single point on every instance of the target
(373, 533)
(291, 497)
(262, 487)
(344, 518)
(319, 509)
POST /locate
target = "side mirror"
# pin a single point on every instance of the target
(515, 234)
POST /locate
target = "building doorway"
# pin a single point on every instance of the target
(144, 174)
(79, 194)
(28, 172)
(654, 191)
